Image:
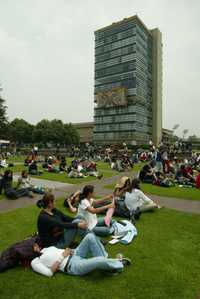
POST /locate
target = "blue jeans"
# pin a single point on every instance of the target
(101, 229)
(90, 255)
(70, 235)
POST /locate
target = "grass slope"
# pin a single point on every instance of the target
(164, 256)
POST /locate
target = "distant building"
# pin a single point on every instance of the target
(85, 131)
(128, 83)
(167, 136)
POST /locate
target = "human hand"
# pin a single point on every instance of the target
(69, 200)
(83, 225)
(68, 252)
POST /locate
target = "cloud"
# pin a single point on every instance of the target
(47, 56)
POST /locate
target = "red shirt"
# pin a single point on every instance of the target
(198, 181)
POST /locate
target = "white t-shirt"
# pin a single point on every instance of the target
(25, 182)
(136, 199)
(90, 218)
(49, 256)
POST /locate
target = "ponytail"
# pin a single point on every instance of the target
(86, 190)
(44, 202)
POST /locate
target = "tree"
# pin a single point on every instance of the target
(42, 132)
(71, 135)
(55, 132)
(3, 117)
(20, 131)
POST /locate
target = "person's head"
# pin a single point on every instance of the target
(75, 197)
(24, 173)
(8, 174)
(47, 202)
(124, 183)
(36, 248)
(135, 184)
(88, 192)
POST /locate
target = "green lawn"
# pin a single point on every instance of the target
(165, 259)
(62, 177)
(16, 159)
(177, 192)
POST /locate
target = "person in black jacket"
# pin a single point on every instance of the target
(56, 228)
(6, 184)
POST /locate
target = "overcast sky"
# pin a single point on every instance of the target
(47, 56)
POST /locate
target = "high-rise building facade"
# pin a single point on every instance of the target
(128, 83)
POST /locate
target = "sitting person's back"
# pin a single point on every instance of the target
(143, 172)
(197, 181)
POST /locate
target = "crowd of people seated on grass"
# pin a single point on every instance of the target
(127, 200)
(49, 251)
(83, 168)
(52, 248)
(22, 188)
(167, 171)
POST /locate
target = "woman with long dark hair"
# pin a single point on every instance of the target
(88, 212)
(135, 199)
(54, 227)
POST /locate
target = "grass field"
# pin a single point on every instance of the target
(177, 192)
(103, 168)
(165, 259)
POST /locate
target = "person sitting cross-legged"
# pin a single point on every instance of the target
(90, 255)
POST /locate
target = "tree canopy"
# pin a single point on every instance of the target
(45, 131)
(3, 117)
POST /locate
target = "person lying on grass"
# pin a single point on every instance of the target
(90, 255)
(20, 253)
(55, 228)
(88, 212)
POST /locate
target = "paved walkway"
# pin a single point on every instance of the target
(54, 185)
(62, 189)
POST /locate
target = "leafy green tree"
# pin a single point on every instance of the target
(71, 135)
(20, 131)
(3, 117)
(57, 132)
(42, 132)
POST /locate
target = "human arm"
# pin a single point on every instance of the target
(105, 198)
(38, 267)
(93, 210)
(50, 221)
(19, 182)
(145, 198)
(71, 208)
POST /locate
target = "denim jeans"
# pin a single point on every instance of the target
(70, 235)
(90, 255)
(101, 229)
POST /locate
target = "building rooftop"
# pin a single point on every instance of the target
(133, 18)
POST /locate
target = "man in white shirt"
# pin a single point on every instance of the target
(88, 256)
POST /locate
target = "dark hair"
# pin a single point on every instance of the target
(86, 190)
(135, 184)
(7, 172)
(24, 172)
(45, 201)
